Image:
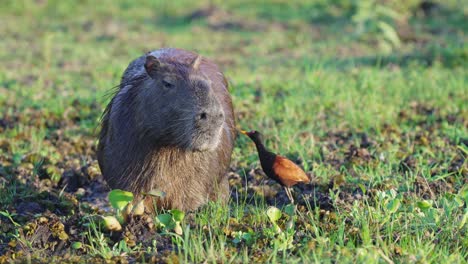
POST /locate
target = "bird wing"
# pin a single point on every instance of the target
(288, 172)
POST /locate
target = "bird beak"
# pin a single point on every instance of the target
(243, 132)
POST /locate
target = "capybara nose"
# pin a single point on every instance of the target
(203, 116)
(210, 117)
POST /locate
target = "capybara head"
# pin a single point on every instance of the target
(178, 106)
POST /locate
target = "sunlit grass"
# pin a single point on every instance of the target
(299, 75)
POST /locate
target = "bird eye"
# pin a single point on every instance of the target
(167, 84)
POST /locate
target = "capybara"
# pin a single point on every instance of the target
(170, 127)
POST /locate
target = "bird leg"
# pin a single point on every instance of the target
(288, 192)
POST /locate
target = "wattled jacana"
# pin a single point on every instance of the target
(276, 167)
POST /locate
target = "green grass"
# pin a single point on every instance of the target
(384, 134)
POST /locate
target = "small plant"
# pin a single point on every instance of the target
(119, 199)
(98, 243)
(377, 18)
(290, 210)
(424, 205)
(463, 220)
(178, 216)
(274, 214)
(247, 237)
(279, 239)
(121, 202)
(9, 216)
(171, 221)
(393, 205)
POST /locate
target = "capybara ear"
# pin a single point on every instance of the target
(196, 63)
(153, 66)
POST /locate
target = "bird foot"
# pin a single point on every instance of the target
(289, 194)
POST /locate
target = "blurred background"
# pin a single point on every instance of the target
(82, 39)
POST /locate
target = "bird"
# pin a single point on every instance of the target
(276, 167)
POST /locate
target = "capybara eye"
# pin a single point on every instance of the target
(167, 84)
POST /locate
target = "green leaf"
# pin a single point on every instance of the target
(165, 219)
(77, 245)
(156, 193)
(389, 33)
(248, 238)
(463, 193)
(463, 220)
(54, 173)
(381, 195)
(424, 205)
(119, 199)
(432, 215)
(290, 209)
(451, 199)
(237, 237)
(9, 216)
(274, 214)
(393, 205)
(387, 11)
(122, 246)
(277, 228)
(178, 215)
(363, 188)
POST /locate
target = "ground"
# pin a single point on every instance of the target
(378, 122)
